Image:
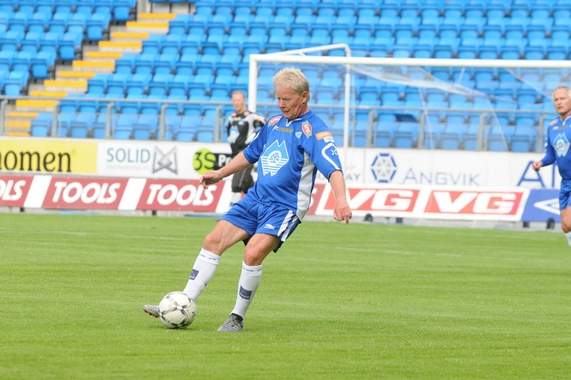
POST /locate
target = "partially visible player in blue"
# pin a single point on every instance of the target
(290, 149)
(557, 143)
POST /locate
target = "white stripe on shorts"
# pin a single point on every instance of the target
(293, 223)
(285, 222)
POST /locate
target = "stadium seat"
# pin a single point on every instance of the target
(325, 16)
(430, 16)
(367, 16)
(389, 15)
(346, 15)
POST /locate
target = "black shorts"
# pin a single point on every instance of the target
(242, 180)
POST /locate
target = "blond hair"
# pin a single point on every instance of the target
(562, 87)
(292, 78)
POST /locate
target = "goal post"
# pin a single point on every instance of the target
(255, 59)
(490, 97)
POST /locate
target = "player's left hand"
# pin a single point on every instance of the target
(342, 212)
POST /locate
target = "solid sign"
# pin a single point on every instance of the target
(159, 159)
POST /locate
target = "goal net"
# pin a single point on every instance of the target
(496, 105)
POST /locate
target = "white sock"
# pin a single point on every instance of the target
(249, 281)
(202, 271)
(568, 236)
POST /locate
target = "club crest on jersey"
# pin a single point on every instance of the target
(561, 144)
(306, 128)
(274, 120)
(275, 156)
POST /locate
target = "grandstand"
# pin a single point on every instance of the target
(122, 70)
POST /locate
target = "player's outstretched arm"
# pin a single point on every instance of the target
(235, 165)
(342, 210)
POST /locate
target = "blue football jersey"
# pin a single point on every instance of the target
(289, 153)
(557, 143)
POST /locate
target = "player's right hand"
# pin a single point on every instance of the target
(210, 178)
(536, 165)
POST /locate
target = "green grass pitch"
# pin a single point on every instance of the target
(337, 302)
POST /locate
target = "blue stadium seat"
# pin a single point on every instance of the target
(124, 126)
(475, 16)
(367, 16)
(448, 36)
(284, 15)
(422, 51)
(362, 35)
(325, 16)
(384, 36)
(498, 138)
(304, 15)
(430, 16)
(384, 131)
(534, 53)
(453, 15)
(263, 14)
(404, 35)
(242, 14)
(427, 35)
(406, 134)
(345, 15)
(389, 15)
(508, 52)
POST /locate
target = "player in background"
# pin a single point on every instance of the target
(557, 143)
(290, 149)
(241, 127)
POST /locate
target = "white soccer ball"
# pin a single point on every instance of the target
(176, 310)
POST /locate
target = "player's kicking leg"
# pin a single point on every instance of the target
(223, 236)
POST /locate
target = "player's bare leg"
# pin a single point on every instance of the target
(566, 223)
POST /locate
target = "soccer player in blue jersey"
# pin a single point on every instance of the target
(557, 143)
(290, 148)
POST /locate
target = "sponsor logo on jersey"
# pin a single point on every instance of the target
(298, 134)
(553, 122)
(561, 144)
(275, 156)
(306, 128)
(283, 130)
(274, 120)
(323, 135)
